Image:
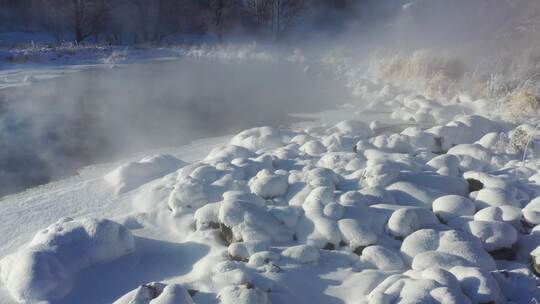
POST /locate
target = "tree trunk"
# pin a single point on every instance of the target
(78, 35)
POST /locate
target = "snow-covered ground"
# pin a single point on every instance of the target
(388, 198)
(23, 66)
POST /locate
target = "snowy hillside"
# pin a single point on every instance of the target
(392, 197)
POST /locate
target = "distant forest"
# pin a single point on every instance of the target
(158, 21)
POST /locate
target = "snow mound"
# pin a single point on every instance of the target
(449, 206)
(43, 269)
(133, 174)
(382, 258)
(302, 254)
(445, 249)
(494, 235)
(157, 293)
(531, 212)
(269, 185)
(258, 138)
(355, 128)
(242, 295)
(405, 221)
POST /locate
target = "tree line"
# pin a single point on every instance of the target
(154, 21)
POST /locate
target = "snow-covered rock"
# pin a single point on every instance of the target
(508, 214)
(382, 258)
(447, 247)
(157, 293)
(44, 268)
(258, 139)
(269, 185)
(313, 147)
(531, 212)
(187, 194)
(355, 128)
(449, 206)
(494, 235)
(242, 295)
(302, 254)
(405, 221)
(133, 174)
(244, 220)
(478, 284)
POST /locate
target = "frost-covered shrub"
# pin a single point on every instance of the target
(428, 72)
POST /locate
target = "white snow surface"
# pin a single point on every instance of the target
(378, 201)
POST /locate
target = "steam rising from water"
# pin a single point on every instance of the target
(51, 128)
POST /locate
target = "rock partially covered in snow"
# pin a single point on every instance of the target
(357, 234)
(187, 194)
(445, 249)
(449, 206)
(382, 258)
(157, 293)
(405, 221)
(243, 295)
(404, 288)
(479, 285)
(531, 212)
(494, 235)
(258, 139)
(43, 269)
(244, 220)
(380, 174)
(133, 174)
(355, 128)
(445, 164)
(535, 257)
(313, 147)
(242, 251)
(228, 153)
(508, 214)
(269, 185)
(302, 254)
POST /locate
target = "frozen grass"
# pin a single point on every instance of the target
(428, 72)
(512, 82)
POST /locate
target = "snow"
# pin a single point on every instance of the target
(477, 284)
(302, 254)
(494, 235)
(268, 185)
(405, 221)
(258, 138)
(131, 175)
(157, 293)
(242, 295)
(531, 212)
(381, 258)
(448, 206)
(352, 207)
(44, 268)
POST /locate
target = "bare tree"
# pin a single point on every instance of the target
(221, 15)
(277, 16)
(83, 16)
